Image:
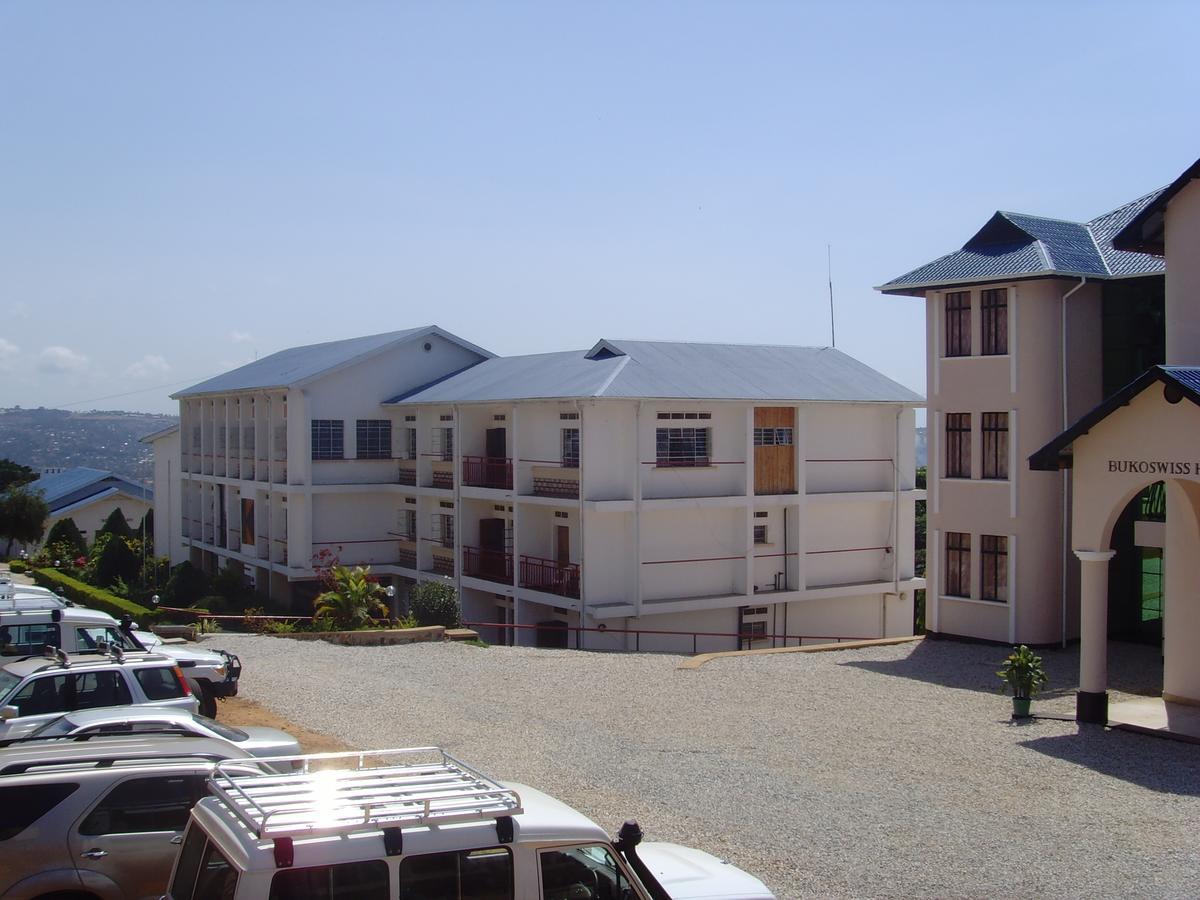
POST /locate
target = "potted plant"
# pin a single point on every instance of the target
(1023, 674)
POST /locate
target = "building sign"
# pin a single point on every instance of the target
(1153, 467)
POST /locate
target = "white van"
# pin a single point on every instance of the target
(417, 823)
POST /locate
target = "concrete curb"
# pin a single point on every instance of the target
(696, 662)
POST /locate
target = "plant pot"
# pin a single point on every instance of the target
(1020, 707)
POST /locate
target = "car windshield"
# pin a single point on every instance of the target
(8, 681)
(224, 731)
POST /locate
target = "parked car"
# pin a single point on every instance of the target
(29, 621)
(35, 690)
(99, 820)
(418, 823)
(256, 740)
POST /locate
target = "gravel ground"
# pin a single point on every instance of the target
(887, 772)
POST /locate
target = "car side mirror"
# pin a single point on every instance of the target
(9, 712)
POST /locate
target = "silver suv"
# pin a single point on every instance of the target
(100, 819)
(36, 689)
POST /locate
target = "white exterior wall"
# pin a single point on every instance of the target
(167, 498)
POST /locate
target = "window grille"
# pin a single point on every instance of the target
(443, 529)
(443, 443)
(995, 322)
(569, 416)
(684, 415)
(410, 443)
(328, 440)
(682, 446)
(772, 437)
(958, 564)
(407, 524)
(760, 534)
(958, 323)
(958, 445)
(570, 448)
(373, 439)
(995, 445)
(993, 556)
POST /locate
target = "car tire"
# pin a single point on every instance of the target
(208, 701)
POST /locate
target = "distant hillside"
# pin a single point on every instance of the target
(102, 439)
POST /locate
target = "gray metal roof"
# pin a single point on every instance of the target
(1017, 245)
(297, 365)
(667, 370)
(70, 486)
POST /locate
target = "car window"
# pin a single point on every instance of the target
(587, 871)
(41, 696)
(183, 883)
(485, 874)
(216, 879)
(225, 731)
(141, 805)
(98, 689)
(367, 880)
(159, 684)
(22, 805)
(88, 637)
(8, 681)
(28, 639)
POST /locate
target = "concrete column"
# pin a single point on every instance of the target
(1091, 703)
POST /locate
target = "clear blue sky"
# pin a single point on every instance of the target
(184, 185)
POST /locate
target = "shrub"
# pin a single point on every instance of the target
(186, 585)
(354, 598)
(17, 566)
(92, 597)
(116, 524)
(66, 532)
(116, 562)
(434, 603)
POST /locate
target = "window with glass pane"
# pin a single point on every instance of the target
(588, 871)
(443, 443)
(98, 689)
(408, 524)
(365, 880)
(328, 440)
(958, 445)
(373, 438)
(760, 534)
(485, 874)
(994, 307)
(958, 564)
(143, 805)
(995, 445)
(993, 557)
(958, 323)
(570, 448)
(682, 446)
(216, 880)
(410, 443)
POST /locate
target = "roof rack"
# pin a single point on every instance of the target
(437, 791)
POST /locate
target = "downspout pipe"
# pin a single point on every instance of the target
(1066, 512)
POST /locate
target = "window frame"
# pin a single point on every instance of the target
(957, 317)
(993, 564)
(570, 448)
(993, 314)
(994, 429)
(957, 429)
(327, 438)
(683, 447)
(373, 438)
(956, 573)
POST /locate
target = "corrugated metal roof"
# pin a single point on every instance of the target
(72, 485)
(1017, 245)
(669, 370)
(299, 364)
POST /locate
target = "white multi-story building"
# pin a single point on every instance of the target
(634, 488)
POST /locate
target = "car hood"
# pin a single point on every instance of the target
(689, 874)
(199, 657)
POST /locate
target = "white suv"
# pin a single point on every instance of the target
(420, 824)
(36, 689)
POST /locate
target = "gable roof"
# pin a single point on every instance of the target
(669, 370)
(297, 366)
(1015, 245)
(71, 486)
(1144, 232)
(161, 433)
(1182, 381)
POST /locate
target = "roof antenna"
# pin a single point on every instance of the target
(829, 273)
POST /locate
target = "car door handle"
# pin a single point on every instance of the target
(93, 854)
(178, 839)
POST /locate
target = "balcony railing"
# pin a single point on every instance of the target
(443, 564)
(488, 472)
(550, 576)
(408, 476)
(444, 480)
(408, 558)
(490, 565)
(556, 487)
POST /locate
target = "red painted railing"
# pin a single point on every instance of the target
(550, 576)
(490, 565)
(488, 471)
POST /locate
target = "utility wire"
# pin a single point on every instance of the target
(157, 387)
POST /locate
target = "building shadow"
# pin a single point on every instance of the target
(1132, 668)
(1167, 767)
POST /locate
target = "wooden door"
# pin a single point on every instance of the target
(774, 450)
(562, 544)
(497, 444)
(491, 547)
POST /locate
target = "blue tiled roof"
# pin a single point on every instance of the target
(72, 485)
(299, 364)
(1017, 245)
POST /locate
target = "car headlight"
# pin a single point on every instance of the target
(220, 670)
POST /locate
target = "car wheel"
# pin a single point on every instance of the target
(208, 701)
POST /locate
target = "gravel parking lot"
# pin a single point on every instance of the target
(887, 772)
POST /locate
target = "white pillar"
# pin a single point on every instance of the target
(1091, 703)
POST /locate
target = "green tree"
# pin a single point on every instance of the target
(13, 474)
(434, 603)
(353, 599)
(146, 530)
(116, 561)
(186, 585)
(23, 514)
(66, 532)
(116, 524)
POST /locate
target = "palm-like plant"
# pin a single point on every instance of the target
(354, 598)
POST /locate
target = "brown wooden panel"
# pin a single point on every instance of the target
(775, 466)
